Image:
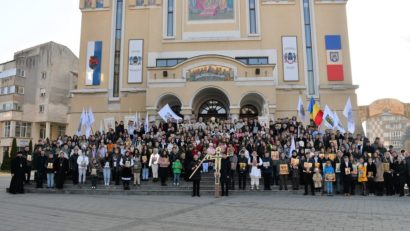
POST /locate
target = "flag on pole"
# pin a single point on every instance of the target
(315, 112)
(91, 118)
(292, 147)
(338, 123)
(168, 115)
(80, 125)
(348, 113)
(301, 110)
(328, 119)
(146, 126)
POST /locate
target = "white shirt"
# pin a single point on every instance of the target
(82, 160)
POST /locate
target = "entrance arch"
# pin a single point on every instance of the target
(173, 101)
(211, 102)
(252, 105)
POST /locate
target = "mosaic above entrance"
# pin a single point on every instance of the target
(210, 73)
(201, 10)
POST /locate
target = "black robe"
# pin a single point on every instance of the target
(61, 169)
(18, 167)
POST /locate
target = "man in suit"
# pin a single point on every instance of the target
(308, 170)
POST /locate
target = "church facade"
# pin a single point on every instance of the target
(211, 58)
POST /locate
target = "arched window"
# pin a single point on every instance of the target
(249, 110)
(212, 108)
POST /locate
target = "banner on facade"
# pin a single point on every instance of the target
(334, 58)
(135, 61)
(290, 58)
(93, 65)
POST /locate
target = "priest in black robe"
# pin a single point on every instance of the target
(61, 169)
(18, 169)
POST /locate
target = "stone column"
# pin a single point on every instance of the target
(48, 130)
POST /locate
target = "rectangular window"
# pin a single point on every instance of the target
(99, 4)
(309, 48)
(61, 130)
(253, 60)
(21, 90)
(252, 17)
(169, 62)
(117, 53)
(170, 18)
(42, 92)
(140, 3)
(88, 3)
(42, 131)
(152, 2)
(23, 129)
(43, 75)
(7, 126)
(12, 89)
(41, 108)
(21, 72)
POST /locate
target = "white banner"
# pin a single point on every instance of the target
(167, 114)
(290, 58)
(135, 61)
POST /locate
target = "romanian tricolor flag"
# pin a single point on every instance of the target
(334, 58)
(315, 112)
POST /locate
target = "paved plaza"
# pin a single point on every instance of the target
(281, 211)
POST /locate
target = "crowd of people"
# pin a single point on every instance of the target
(324, 162)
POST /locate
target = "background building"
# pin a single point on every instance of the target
(388, 119)
(34, 94)
(221, 58)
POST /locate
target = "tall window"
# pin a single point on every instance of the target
(23, 129)
(170, 18)
(7, 126)
(309, 49)
(42, 131)
(252, 17)
(117, 56)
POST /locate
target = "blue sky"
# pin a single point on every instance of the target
(379, 34)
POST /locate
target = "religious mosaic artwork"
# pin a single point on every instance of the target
(200, 10)
(210, 73)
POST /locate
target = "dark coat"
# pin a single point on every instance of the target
(18, 167)
(192, 167)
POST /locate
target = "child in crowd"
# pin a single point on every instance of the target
(330, 177)
(177, 169)
(317, 180)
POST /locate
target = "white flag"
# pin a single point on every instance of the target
(292, 147)
(301, 110)
(87, 124)
(348, 113)
(328, 119)
(168, 115)
(81, 123)
(91, 118)
(338, 124)
(146, 127)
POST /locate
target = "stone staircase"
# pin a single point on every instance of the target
(149, 188)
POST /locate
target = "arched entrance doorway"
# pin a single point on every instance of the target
(211, 102)
(249, 111)
(172, 101)
(252, 106)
